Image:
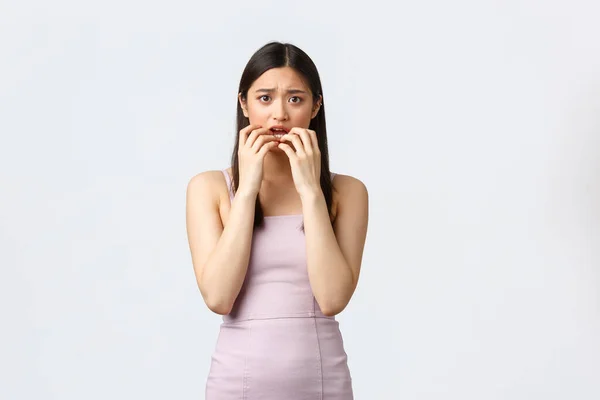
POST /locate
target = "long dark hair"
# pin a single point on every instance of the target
(277, 55)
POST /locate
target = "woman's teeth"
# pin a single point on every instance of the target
(278, 133)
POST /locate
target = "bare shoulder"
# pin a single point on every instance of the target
(207, 187)
(348, 187)
(350, 195)
(214, 174)
(211, 179)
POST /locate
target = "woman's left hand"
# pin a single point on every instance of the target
(305, 159)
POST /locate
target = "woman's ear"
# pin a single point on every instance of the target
(317, 106)
(243, 105)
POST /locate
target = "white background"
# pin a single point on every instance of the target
(474, 124)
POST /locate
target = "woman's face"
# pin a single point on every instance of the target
(279, 97)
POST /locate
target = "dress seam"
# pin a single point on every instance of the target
(231, 322)
(319, 355)
(246, 377)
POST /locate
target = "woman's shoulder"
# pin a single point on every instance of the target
(209, 177)
(210, 184)
(347, 183)
(347, 189)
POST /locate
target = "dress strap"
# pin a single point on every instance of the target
(229, 184)
(332, 175)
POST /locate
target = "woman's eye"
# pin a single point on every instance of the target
(263, 96)
(296, 97)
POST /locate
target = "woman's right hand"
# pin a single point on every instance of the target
(254, 143)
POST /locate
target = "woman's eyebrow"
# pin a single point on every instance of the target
(292, 91)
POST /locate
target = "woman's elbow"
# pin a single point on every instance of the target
(214, 303)
(218, 306)
(333, 310)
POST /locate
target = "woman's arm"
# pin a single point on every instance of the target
(334, 254)
(220, 255)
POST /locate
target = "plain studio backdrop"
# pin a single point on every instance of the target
(474, 124)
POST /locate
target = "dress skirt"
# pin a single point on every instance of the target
(290, 358)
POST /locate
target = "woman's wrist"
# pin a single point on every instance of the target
(246, 193)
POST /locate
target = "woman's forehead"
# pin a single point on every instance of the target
(285, 78)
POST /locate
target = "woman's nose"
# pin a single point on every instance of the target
(279, 111)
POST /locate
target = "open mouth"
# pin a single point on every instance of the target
(278, 132)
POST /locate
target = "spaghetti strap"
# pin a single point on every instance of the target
(229, 186)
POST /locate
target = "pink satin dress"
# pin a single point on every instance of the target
(276, 344)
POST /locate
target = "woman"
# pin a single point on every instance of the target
(277, 241)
